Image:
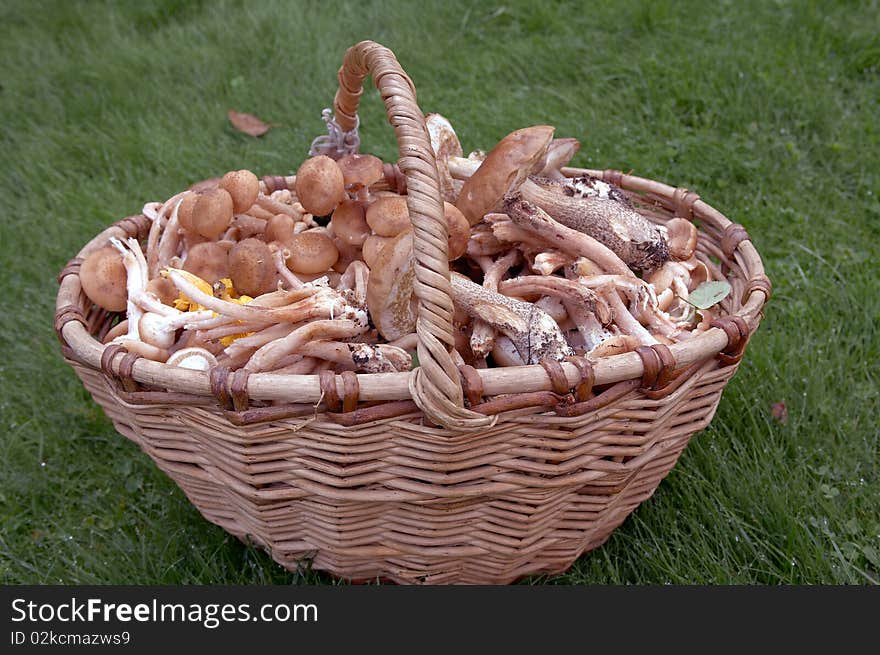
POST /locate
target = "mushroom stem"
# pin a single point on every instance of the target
(482, 340)
(529, 216)
(279, 257)
(369, 358)
(534, 333)
(353, 283)
(571, 292)
(170, 241)
(624, 320)
(272, 352)
(275, 207)
(320, 302)
(548, 262)
(156, 233)
(585, 205)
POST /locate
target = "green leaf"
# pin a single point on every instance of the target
(415, 360)
(708, 294)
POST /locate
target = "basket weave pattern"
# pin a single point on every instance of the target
(532, 466)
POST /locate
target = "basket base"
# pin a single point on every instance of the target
(258, 484)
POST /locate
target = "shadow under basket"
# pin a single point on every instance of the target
(370, 476)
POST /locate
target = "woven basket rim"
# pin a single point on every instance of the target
(395, 386)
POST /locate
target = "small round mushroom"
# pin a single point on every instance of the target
(311, 252)
(212, 213)
(320, 185)
(197, 359)
(153, 330)
(185, 211)
(280, 229)
(208, 260)
(103, 279)
(349, 223)
(359, 172)
(251, 267)
(243, 186)
(388, 216)
(163, 289)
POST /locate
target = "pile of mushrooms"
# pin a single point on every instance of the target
(315, 271)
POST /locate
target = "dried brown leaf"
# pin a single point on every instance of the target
(247, 123)
(780, 412)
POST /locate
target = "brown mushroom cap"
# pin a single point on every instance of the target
(280, 229)
(360, 170)
(390, 299)
(103, 277)
(243, 186)
(185, 211)
(349, 223)
(251, 267)
(681, 239)
(205, 185)
(320, 185)
(163, 289)
(372, 247)
(212, 213)
(388, 216)
(505, 167)
(311, 252)
(458, 229)
(208, 260)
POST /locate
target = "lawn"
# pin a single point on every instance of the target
(769, 110)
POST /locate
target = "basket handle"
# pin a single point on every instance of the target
(435, 385)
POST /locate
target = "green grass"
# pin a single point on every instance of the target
(769, 110)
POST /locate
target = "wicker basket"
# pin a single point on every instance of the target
(440, 475)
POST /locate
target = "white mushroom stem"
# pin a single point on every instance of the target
(275, 207)
(303, 366)
(231, 329)
(279, 257)
(505, 353)
(135, 284)
(168, 244)
(268, 355)
(482, 339)
(548, 262)
(591, 331)
(369, 358)
(151, 210)
(259, 339)
(355, 280)
(571, 292)
(554, 307)
(322, 302)
(531, 217)
(534, 333)
(156, 232)
(624, 320)
(483, 242)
